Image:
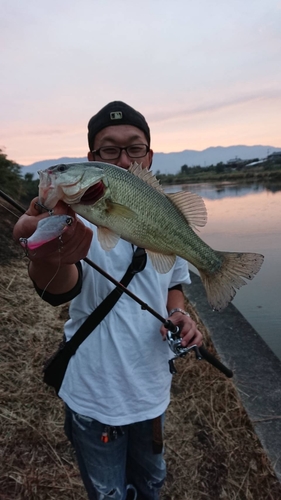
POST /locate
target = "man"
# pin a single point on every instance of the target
(117, 385)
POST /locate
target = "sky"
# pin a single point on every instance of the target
(204, 73)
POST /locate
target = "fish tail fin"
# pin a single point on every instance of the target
(221, 286)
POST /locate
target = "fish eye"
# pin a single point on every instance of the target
(57, 168)
(61, 168)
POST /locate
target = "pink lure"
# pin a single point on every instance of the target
(47, 229)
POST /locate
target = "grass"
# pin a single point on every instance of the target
(211, 449)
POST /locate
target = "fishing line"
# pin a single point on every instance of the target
(59, 265)
(60, 248)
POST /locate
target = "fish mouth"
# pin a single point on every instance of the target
(93, 194)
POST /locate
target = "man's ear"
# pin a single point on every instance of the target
(150, 158)
(90, 156)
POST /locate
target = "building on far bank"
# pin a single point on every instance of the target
(276, 156)
(235, 162)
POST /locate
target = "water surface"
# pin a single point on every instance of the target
(247, 218)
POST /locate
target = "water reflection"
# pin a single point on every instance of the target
(274, 188)
(222, 190)
(247, 218)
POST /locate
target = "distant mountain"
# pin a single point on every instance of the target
(171, 163)
(41, 165)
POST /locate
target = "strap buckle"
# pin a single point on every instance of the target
(139, 261)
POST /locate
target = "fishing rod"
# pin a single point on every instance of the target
(173, 331)
(12, 202)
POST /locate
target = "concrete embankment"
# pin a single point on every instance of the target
(257, 371)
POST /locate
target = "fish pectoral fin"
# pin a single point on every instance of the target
(119, 210)
(192, 207)
(161, 262)
(107, 238)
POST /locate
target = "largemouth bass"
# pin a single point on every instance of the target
(131, 204)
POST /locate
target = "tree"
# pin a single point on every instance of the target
(10, 180)
(220, 167)
(184, 169)
(30, 188)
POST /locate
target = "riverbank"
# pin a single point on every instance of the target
(258, 175)
(212, 449)
(257, 370)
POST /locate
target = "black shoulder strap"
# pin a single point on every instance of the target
(138, 264)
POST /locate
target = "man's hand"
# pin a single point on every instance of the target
(69, 249)
(189, 332)
(52, 265)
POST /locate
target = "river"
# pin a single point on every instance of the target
(247, 218)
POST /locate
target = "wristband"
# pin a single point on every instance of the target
(177, 309)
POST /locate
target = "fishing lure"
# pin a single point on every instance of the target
(47, 230)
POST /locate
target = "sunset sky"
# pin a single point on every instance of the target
(204, 73)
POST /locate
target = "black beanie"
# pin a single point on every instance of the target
(116, 113)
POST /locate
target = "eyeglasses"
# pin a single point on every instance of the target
(114, 152)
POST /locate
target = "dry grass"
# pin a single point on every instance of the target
(212, 451)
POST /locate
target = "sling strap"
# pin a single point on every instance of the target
(157, 438)
(138, 264)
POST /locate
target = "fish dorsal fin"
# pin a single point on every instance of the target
(192, 206)
(107, 238)
(146, 175)
(162, 263)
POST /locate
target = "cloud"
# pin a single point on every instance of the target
(20, 132)
(212, 107)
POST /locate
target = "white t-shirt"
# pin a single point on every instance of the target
(120, 373)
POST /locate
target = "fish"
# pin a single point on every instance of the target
(132, 205)
(47, 229)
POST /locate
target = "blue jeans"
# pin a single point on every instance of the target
(109, 470)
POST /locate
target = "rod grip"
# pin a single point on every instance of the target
(215, 362)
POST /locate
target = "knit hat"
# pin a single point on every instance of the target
(116, 113)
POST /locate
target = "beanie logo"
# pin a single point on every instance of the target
(116, 115)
